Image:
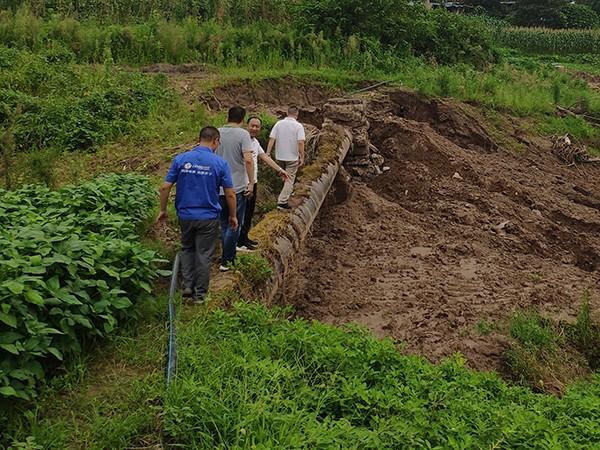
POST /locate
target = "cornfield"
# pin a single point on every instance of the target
(549, 41)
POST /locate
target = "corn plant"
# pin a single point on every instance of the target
(549, 41)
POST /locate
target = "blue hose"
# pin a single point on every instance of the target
(172, 344)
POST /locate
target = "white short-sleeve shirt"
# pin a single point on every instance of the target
(257, 150)
(287, 133)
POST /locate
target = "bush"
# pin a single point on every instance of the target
(404, 26)
(71, 271)
(55, 103)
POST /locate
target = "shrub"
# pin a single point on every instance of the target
(404, 26)
(55, 103)
(576, 15)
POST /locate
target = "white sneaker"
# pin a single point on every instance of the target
(243, 248)
(223, 268)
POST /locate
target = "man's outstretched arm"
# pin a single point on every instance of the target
(269, 162)
(270, 146)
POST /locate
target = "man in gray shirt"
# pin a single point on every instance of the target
(235, 147)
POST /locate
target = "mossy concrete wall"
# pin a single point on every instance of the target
(286, 241)
(282, 234)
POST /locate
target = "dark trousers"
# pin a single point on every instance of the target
(198, 242)
(229, 237)
(250, 206)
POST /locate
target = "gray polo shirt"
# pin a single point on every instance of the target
(234, 143)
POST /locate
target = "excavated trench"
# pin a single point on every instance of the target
(461, 229)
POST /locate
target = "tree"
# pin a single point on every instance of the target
(544, 13)
(492, 7)
(594, 4)
(578, 16)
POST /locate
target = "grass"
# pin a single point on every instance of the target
(547, 355)
(109, 399)
(575, 126)
(484, 327)
(526, 88)
(585, 334)
(534, 332)
(255, 270)
(249, 378)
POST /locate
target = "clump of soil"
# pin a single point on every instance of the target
(459, 231)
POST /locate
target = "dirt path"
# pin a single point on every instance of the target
(424, 256)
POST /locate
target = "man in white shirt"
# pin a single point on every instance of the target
(288, 137)
(254, 128)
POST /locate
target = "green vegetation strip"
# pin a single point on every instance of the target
(548, 41)
(250, 378)
(71, 269)
(109, 399)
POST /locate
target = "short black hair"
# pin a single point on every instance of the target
(236, 114)
(293, 109)
(254, 117)
(209, 134)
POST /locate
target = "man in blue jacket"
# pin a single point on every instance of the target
(199, 175)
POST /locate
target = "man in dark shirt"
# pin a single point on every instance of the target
(199, 175)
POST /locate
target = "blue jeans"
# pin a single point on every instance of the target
(229, 238)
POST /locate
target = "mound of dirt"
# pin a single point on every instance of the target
(273, 95)
(460, 230)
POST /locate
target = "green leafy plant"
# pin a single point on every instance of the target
(71, 271)
(63, 106)
(255, 269)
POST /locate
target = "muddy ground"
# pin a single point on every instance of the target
(471, 223)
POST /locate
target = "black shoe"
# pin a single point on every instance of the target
(283, 206)
(187, 292)
(251, 242)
